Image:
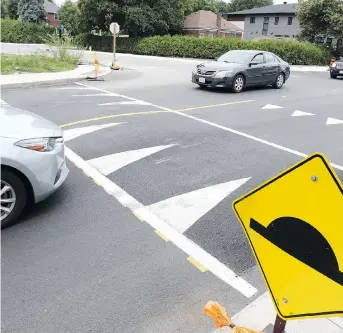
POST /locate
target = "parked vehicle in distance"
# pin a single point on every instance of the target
(32, 160)
(239, 69)
(337, 68)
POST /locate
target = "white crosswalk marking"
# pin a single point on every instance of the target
(182, 211)
(110, 163)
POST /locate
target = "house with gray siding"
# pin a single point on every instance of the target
(274, 21)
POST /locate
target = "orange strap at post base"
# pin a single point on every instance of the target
(221, 319)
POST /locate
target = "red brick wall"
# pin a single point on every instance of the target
(52, 21)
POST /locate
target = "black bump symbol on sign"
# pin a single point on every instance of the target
(303, 242)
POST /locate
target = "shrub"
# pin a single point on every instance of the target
(15, 31)
(293, 51)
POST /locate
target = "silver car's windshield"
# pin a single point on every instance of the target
(237, 57)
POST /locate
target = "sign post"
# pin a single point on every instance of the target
(114, 28)
(294, 224)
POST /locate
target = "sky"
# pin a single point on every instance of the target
(59, 2)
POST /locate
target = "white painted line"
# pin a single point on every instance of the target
(182, 211)
(120, 95)
(163, 160)
(73, 88)
(333, 121)
(251, 137)
(95, 95)
(271, 106)
(180, 240)
(298, 113)
(110, 163)
(76, 132)
(127, 103)
(268, 143)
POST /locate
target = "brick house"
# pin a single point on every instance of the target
(51, 13)
(208, 24)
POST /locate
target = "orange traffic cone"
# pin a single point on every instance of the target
(221, 319)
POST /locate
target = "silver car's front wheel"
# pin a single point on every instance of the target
(13, 197)
(8, 199)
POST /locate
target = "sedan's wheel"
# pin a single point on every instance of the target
(238, 84)
(280, 80)
(13, 197)
(333, 76)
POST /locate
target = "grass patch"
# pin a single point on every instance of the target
(37, 63)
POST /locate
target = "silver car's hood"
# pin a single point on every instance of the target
(19, 124)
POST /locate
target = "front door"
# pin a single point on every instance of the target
(256, 70)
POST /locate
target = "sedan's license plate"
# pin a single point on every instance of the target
(201, 80)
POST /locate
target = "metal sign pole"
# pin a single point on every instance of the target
(280, 325)
(114, 45)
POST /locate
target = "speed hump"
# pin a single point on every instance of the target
(294, 224)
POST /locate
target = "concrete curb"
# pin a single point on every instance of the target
(52, 81)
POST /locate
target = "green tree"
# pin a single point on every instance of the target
(31, 10)
(320, 17)
(4, 8)
(135, 17)
(238, 5)
(12, 9)
(69, 15)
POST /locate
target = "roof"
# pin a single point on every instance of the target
(207, 20)
(289, 8)
(50, 7)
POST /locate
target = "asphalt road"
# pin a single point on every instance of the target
(83, 262)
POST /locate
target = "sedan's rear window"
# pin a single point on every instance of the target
(237, 57)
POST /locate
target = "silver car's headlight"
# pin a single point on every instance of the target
(222, 74)
(39, 144)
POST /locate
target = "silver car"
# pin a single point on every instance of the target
(32, 160)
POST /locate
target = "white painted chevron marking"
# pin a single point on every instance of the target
(298, 113)
(110, 163)
(182, 211)
(271, 106)
(333, 121)
(76, 132)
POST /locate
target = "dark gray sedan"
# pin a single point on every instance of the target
(242, 68)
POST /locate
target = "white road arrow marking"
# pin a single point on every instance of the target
(110, 163)
(298, 113)
(76, 132)
(182, 211)
(333, 121)
(271, 106)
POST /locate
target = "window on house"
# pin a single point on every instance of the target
(276, 21)
(211, 34)
(252, 20)
(265, 26)
(201, 35)
(290, 20)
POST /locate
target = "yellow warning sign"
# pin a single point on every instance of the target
(294, 223)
